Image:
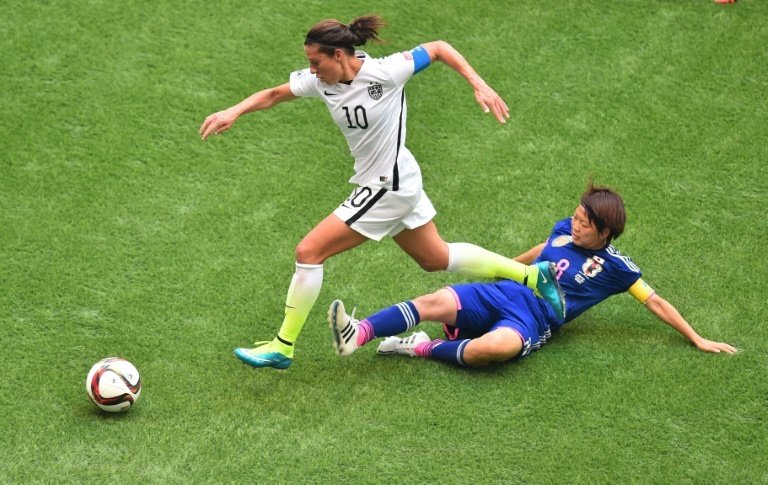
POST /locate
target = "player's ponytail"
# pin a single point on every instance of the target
(366, 28)
(331, 34)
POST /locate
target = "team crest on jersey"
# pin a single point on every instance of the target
(561, 241)
(375, 91)
(592, 266)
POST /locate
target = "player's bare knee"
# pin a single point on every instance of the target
(306, 253)
(496, 352)
(431, 265)
(428, 303)
(478, 354)
(439, 306)
(497, 346)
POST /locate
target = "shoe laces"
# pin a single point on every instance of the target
(409, 342)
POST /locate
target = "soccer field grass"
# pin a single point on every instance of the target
(125, 234)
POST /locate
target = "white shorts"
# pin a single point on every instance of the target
(376, 212)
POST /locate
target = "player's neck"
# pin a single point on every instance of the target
(598, 246)
(350, 70)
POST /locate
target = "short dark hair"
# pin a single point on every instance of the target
(330, 34)
(605, 209)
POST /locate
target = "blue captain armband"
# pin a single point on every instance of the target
(421, 59)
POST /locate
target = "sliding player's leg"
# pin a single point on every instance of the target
(425, 245)
(349, 333)
(496, 323)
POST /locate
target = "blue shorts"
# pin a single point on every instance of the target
(485, 307)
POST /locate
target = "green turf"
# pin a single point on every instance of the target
(124, 234)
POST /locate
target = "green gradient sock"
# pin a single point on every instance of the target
(471, 260)
(302, 294)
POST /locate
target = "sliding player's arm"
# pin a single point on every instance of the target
(530, 256)
(669, 315)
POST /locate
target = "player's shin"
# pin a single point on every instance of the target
(302, 294)
(393, 320)
(446, 351)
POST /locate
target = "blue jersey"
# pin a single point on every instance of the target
(587, 276)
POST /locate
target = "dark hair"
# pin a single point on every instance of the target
(605, 209)
(331, 34)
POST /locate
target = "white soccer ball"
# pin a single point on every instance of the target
(113, 384)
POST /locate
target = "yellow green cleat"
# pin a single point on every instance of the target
(273, 354)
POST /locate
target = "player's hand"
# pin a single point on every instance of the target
(218, 123)
(491, 102)
(716, 347)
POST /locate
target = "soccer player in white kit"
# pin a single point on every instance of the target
(366, 100)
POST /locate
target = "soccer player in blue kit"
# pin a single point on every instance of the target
(366, 100)
(495, 322)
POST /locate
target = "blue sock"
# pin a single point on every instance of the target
(395, 319)
(447, 351)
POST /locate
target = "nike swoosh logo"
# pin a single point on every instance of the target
(330, 94)
(262, 359)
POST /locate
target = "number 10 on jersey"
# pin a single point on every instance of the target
(356, 117)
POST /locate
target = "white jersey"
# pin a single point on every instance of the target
(371, 112)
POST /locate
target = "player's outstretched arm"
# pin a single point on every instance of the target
(264, 99)
(486, 97)
(530, 256)
(669, 315)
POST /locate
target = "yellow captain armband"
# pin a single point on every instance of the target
(641, 291)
